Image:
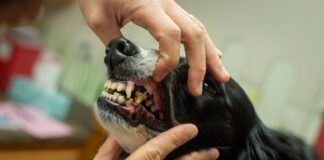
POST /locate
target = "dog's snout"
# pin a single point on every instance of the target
(118, 50)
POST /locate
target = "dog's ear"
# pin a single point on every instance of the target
(260, 144)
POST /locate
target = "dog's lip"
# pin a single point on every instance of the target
(134, 117)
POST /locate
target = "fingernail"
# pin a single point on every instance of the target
(224, 71)
(190, 130)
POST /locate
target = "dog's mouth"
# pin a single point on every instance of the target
(137, 102)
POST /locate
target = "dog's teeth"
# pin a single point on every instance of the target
(105, 95)
(121, 99)
(110, 96)
(106, 85)
(148, 103)
(128, 92)
(129, 102)
(113, 85)
(153, 109)
(109, 84)
(129, 89)
(120, 87)
(115, 96)
(138, 99)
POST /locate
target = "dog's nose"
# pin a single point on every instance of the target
(118, 50)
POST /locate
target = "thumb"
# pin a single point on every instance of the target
(109, 150)
(159, 147)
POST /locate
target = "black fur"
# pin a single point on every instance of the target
(227, 120)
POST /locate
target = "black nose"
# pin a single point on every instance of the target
(118, 50)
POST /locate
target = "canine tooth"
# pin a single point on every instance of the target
(129, 89)
(113, 85)
(120, 87)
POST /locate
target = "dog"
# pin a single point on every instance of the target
(134, 108)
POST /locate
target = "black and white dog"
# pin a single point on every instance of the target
(134, 109)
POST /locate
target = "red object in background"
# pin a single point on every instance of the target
(320, 143)
(23, 51)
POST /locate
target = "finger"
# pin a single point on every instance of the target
(159, 147)
(192, 36)
(102, 23)
(214, 64)
(109, 150)
(211, 154)
(167, 33)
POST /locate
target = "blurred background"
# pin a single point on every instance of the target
(52, 71)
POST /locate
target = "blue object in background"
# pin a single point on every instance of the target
(54, 103)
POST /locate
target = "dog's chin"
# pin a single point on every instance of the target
(131, 111)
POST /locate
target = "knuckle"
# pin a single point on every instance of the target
(152, 153)
(202, 26)
(170, 32)
(175, 141)
(94, 22)
(201, 70)
(197, 32)
(175, 32)
(171, 62)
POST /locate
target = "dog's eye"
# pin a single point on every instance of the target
(211, 88)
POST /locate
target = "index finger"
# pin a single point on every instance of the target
(167, 33)
(159, 147)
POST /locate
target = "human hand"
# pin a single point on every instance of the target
(159, 147)
(170, 25)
